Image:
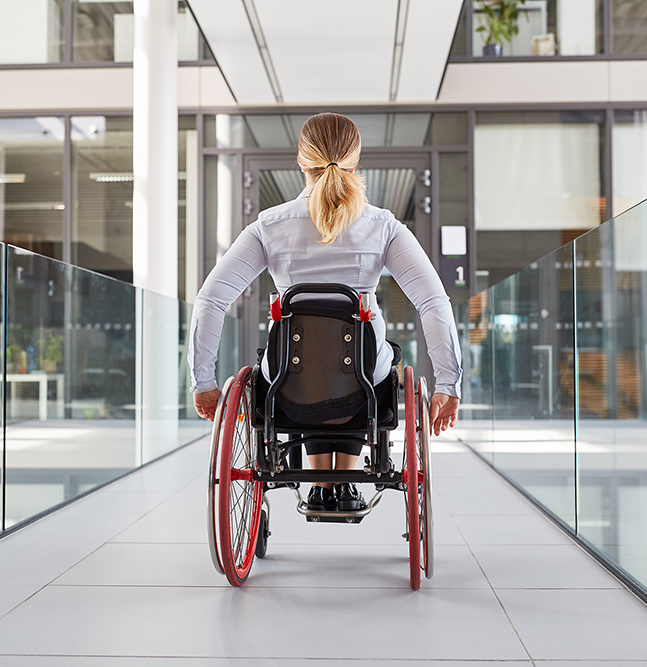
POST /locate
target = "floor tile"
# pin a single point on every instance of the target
(430, 624)
(578, 624)
(481, 495)
(72, 661)
(11, 595)
(161, 527)
(358, 566)
(541, 566)
(28, 563)
(145, 565)
(107, 501)
(531, 529)
(184, 503)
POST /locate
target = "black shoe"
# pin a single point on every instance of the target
(322, 499)
(349, 499)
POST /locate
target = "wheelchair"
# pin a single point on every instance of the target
(319, 352)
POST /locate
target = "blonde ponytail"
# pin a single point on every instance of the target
(329, 148)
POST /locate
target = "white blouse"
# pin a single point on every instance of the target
(284, 240)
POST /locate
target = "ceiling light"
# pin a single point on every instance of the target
(12, 178)
(121, 176)
(111, 176)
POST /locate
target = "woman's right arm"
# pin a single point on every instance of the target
(244, 260)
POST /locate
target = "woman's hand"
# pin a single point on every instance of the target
(206, 403)
(443, 412)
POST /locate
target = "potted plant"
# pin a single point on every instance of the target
(52, 351)
(499, 23)
(14, 353)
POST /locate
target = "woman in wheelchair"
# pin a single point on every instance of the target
(329, 234)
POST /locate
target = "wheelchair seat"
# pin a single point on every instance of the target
(321, 389)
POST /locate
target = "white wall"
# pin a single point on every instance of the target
(102, 88)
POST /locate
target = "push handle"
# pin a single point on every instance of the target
(318, 288)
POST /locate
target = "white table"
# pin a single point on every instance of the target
(42, 379)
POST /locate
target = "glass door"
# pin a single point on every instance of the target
(396, 181)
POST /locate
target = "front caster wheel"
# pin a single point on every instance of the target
(263, 535)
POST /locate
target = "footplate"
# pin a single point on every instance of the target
(335, 516)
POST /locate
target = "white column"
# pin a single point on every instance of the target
(155, 133)
(155, 203)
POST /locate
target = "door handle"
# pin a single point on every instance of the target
(425, 204)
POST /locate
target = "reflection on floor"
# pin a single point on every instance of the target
(611, 497)
(48, 462)
(124, 577)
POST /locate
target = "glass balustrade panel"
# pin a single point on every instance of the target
(611, 298)
(70, 383)
(533, 388)
(475, 334)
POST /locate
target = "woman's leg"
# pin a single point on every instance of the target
(345, 461)
(321, 462)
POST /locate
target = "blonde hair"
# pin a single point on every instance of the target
(329, 147)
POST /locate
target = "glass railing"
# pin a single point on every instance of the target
(555, 390)
(95, 382)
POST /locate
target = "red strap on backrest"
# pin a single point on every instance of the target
(365, 307)
(275, 306)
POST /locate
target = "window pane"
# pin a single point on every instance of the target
(629, 163)
(545, 28)
(102, 181)
(31, 183)
(105, 31)
(31, 31)
(538, 184)
(630, 26)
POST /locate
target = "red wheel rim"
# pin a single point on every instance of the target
(411, 448)
(239, 506)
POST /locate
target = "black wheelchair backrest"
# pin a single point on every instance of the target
(323, 383)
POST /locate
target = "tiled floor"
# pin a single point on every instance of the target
(124, 578)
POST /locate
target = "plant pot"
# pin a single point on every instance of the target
(493, 50)
(49, 366)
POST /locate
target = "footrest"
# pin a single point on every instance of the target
(334, 517)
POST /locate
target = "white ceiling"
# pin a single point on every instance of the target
(337, 51)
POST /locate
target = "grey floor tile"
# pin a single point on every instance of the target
(590, 663)
(71, 525)
(499, 530)
(198, 485)
(185, 503)
(162, 527)
(110, 502)
(119, 661)
(578, 624)
(378, 566)
(11, 595)
(145, 565)
(486, 495)
(28, 563)
(428, 624)
(463, 464)
(541, 566)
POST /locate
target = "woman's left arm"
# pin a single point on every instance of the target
(414, 272)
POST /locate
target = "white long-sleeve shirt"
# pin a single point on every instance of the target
(284, 240)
